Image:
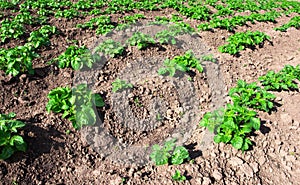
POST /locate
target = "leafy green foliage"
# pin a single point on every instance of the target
(180, 153)
(102, 24)
(67, 13)
(111, 48)
(237, 124)
(212, 120)
(41, 37)
(76, 57)
(140, 40)
(11, 29)
(132, 18)
(231, 23)
(168, 36)
(16, 60)
(252, 96)
(178, 177)
(168, 155)
(182, 63)
(5, 4)
(76, 104)
(283, 80)
(119, 84)
(10, 141)
(239, 41)
(209, 58)
(126, 21)
(24, 17)
(195, 11)
(294, 22)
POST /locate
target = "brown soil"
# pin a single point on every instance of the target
(57, 157)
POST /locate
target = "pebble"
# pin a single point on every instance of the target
(262, 160)
(254, 166)
(286, 118)
(67, 75)
(217, 175)
(206, 181)
(278, 142)
(236, 161)
(296, 124)
(247, 170)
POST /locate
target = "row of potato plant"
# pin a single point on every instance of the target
(235, 123)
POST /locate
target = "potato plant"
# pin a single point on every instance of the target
(182, 63)
(251, 96)
(10, 141)
(76, 57)
(140, 40)
(111, 48)
(283, 80)
(76, 104)
(234, 125)
(169, 154)
(239, 41)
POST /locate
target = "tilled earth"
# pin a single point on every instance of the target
(57, 157)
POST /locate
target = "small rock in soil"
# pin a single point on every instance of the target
(206, 181)
(235, 161)
(217, 175)
(286, 118)
(247, 170)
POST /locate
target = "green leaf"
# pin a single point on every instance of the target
(237, 142)
(85, 116)
(218, 138)
(159, 156)
(255, 123)
(178, 177)
(179, 155)
(98, 100)
(6, 152)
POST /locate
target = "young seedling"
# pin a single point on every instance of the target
(168, 155)
(239, 41)
(119, 84)
(76, 104)
(10, 141)
(76, 57)
(111, 48)
(182, 63)
(178, 177)
(140, 40)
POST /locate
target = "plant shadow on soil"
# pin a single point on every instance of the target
(193, 153)
(39, 141)
(264, 129)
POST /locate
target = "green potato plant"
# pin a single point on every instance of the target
(252, 96)
(283, 80)
(17, 60)
(178, 177)
(77, 57)
(239, 41)
(294, 22)
(235, 126)
(76, 104)
(10, 141)
(119, 84)
(140, 40)
(182, 63)
(111, 48)
(169, 154)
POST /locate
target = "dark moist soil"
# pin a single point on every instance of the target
(56, 156)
